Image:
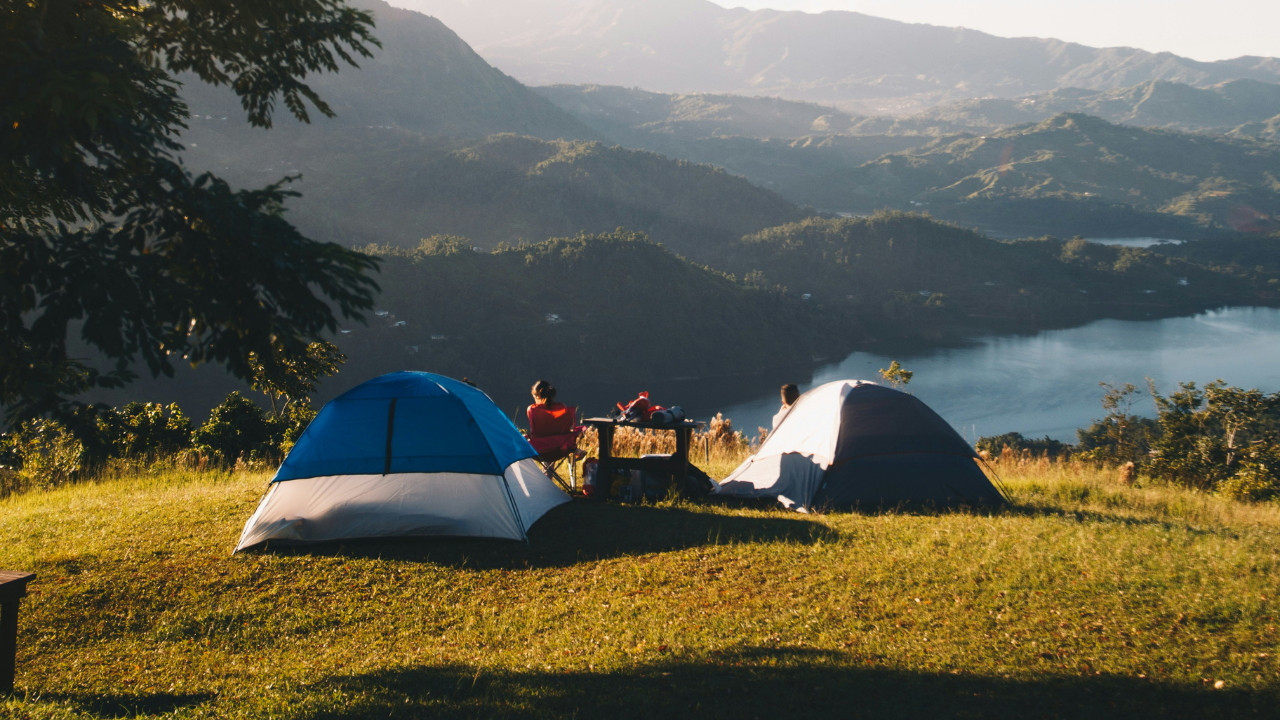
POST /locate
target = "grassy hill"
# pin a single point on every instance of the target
(425, 79)
(1213, 181)
(1084, 599)
(904, 273)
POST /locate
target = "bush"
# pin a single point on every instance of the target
(1015, 442)
(40, 454)
(1258, 478)
(237, 428)
(145, 431)
(1254, 483)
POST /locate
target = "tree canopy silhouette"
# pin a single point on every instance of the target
(104, 232)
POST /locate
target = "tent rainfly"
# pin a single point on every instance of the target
(851, 443)
(405, 454)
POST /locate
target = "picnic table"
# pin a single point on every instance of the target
(13, 587)
(676, 465)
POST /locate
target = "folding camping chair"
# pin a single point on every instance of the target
(553, 432)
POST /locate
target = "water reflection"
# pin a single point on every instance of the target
(1140, 242)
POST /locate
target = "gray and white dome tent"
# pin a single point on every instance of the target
(853, 443)
(405, 454)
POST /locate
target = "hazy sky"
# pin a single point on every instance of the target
(1200, 29)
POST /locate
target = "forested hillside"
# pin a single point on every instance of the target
(586, 309)
(612, 307)
(618, 308)
(903, 272)
(387, 186)
(1162, 178)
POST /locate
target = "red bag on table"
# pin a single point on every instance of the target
(639, 409)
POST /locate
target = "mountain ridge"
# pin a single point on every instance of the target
(1212, 181)
(857, 62)
(424, 79)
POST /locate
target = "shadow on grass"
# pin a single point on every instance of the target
(586, 532)
(772, 683)
(127, 706)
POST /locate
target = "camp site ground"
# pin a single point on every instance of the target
(1083, 599)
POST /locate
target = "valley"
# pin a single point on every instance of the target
(697, 235)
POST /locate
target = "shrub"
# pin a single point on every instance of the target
(145, 431)
(1258, 478)
(237, 428)
(997, 445)
(40, 454)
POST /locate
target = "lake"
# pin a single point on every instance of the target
(1040, 384)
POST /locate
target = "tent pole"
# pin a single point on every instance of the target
(515, 511)
(998, 483)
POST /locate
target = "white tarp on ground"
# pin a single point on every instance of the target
(418, 504)
(791, 462)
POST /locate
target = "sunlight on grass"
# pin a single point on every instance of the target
(1085, 595)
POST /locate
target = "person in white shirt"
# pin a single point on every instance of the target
(790, 393)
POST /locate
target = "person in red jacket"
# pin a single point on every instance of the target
(551, 424)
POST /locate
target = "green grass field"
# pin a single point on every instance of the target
(1084, 599)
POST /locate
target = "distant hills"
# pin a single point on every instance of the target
(389, 186)
(1151, 104)
(1015, 176)
(904, 273)
(425, 79)
(1268, 130)
(859, 63)
(431, 140)
(1066, 174)
(631, 115)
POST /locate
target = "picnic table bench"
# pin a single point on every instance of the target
(13, 587)
(676, 465)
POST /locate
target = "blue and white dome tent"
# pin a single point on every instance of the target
(405, 454)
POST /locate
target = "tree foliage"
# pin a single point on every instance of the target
(896, 375)
(1219, 438)
(1209, 435)
(103, 231)
(290, 381)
